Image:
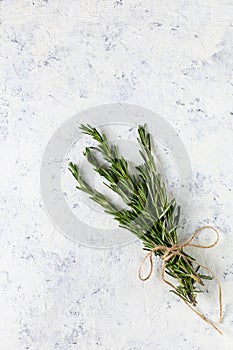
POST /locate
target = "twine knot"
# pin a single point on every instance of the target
(177, 249)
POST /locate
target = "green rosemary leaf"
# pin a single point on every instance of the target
(205, 277)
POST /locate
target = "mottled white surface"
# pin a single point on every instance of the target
(58, 58)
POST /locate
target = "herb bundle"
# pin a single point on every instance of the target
(149, 213)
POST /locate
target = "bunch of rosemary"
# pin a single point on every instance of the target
(148, 214)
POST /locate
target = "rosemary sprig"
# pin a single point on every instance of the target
(149, 213)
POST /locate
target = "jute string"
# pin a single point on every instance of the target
(176, 249)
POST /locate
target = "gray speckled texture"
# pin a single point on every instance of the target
(58, 58)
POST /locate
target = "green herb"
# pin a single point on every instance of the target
(149, 213)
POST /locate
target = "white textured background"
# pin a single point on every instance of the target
(58, 58)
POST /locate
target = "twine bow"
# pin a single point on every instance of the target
(176, 249)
